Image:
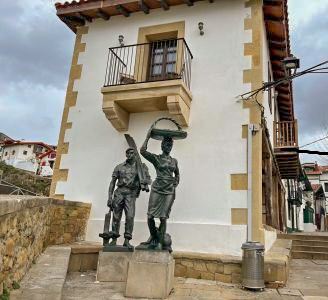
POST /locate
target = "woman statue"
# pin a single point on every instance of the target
(162, 193)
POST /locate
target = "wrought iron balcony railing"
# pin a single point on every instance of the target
(148, 62)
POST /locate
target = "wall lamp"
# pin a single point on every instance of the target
(291, 63)
(121, 40)
(201, 27)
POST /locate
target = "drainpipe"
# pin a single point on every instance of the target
(252, 129)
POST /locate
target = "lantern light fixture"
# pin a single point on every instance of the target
(291, 63)
(201, 27)
(121, 40)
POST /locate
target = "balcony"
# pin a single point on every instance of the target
(148, 77)
(285, 137)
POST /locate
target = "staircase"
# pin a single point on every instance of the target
(308, 245)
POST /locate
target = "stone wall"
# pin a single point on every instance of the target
(219, 267)
(224, 268)
(28, 224)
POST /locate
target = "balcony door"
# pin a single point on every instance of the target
(163, 58)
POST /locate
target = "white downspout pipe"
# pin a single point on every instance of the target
(252, 129)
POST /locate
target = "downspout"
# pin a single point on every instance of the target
(252, 129)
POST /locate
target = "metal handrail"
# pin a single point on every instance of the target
(161, 60)
(165, 40)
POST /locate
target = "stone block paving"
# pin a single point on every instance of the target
(309, 278)
(84, 286)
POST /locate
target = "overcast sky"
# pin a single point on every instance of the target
(35, 57)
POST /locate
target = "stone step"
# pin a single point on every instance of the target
(45, 279)
(311, 248)
(311, 236)
(310, 243)
(309, 255)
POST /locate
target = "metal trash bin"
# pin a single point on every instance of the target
(252, 271)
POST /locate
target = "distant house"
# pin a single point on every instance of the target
(28, 155)
(3, 139)
(318, 176)
(47, 161)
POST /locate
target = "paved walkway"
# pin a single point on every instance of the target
(84, 286)
(308, 278)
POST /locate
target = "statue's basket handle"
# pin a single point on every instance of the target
(168, 119)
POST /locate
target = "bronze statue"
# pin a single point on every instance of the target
(162, 193)
(130, 177)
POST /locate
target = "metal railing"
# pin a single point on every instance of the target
(147, 62)
(285, 134)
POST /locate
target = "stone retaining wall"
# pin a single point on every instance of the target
(28, 224)
(219, 267)
(222, 268)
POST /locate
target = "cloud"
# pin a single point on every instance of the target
(35, 56)
(35, 45)
(309, 41)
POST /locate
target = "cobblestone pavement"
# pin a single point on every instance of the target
(84, 286)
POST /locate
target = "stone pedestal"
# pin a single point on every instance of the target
(150, 274)
(113, 266)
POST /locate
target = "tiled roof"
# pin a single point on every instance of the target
(72, 3)
(316, 169)
(14, 143)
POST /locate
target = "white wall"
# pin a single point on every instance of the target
(201, 215)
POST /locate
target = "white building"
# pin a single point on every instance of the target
(25, 154)
(171, 66)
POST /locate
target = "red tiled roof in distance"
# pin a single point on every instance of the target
(14, 143)
(46, 153)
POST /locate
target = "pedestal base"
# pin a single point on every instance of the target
(113, 266)
(150, 274)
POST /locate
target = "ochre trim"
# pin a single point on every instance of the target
(70, 101)
(162, 31)
(254, 77)
(238, 182)
(239, 216)
(244, 131)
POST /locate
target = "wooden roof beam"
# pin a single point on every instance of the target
(122, 10)
(85, 17)
(101, 14)
(144, 7)
(74, 19)
(189, 2)
(273, 12)
(164, 4)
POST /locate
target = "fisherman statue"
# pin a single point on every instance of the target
(129, 178)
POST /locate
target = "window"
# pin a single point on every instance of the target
(13, 152)
(29, 146)
(326, 187)
(25, 152)
(163, 60)
(6, 153)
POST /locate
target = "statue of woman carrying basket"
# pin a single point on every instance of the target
(162, 193)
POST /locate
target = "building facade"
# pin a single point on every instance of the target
(25, 154)
(134, 62)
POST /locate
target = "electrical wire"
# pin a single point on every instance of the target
(266, 86)
(314, 141)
